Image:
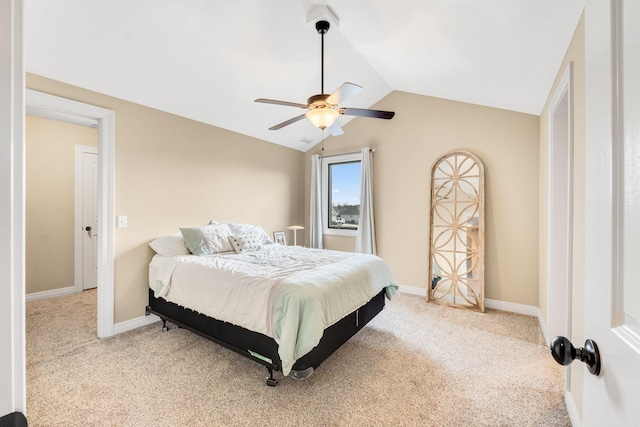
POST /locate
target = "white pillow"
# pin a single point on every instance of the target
(251, 230)
(245, 243)
(170, 245)
(207, 239)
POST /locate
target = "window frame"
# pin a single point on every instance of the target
(326, 162)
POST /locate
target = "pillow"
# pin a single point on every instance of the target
(245, 243)
(207, 239)
(253, 230)
(170, 245)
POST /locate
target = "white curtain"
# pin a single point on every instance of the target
(315, 223)
(366, 235)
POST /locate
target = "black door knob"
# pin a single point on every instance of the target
(88, 228)
(564, 353)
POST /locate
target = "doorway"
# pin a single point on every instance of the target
(52, 201)
(66, 110)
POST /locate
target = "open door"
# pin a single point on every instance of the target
(612, 211)
(86, 221)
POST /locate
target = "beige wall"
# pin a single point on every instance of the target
(406, 147)
(171, 171)
(50, 194)
(575, 54)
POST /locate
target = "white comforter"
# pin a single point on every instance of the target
(288, 293)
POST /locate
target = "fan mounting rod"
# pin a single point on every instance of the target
(322, 27)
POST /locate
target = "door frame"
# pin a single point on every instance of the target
(560, 247)
(559, 298)
(13, 394)
(78, 250)
(62, 109)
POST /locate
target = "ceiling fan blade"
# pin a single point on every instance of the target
(376, 114)
(287, 122)
(335, 129)
(274, 101)
(344, 92)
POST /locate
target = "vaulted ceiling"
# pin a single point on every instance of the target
(209, 59)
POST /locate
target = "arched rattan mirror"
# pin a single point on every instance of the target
(456, 261)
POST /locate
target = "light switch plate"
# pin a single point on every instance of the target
(122, 221)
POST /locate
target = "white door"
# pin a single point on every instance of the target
(612, 211)
(89, 219)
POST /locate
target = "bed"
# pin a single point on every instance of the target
(285, 307)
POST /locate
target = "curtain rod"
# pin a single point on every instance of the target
(371, 150)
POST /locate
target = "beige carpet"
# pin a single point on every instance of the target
(415, 364)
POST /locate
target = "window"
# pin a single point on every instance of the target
(341, 194)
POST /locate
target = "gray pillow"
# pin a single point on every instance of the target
(207, 239)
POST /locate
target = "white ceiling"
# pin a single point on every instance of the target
(209, 59)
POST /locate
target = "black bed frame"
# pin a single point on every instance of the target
(261, 348)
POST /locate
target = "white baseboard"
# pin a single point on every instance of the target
(543, 326)
(34, 296)
(528, 310)
(572, 409)
(413, 290)
(513, 307)
(138, 322)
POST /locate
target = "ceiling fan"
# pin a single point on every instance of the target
(324, 109)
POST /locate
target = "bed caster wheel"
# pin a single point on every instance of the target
(165, 329)
(271, 382)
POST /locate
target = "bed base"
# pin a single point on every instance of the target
(261, 348)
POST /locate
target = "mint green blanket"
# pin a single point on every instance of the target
(309, 302)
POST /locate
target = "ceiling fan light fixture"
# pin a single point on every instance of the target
(322, 118)
(324, 108)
